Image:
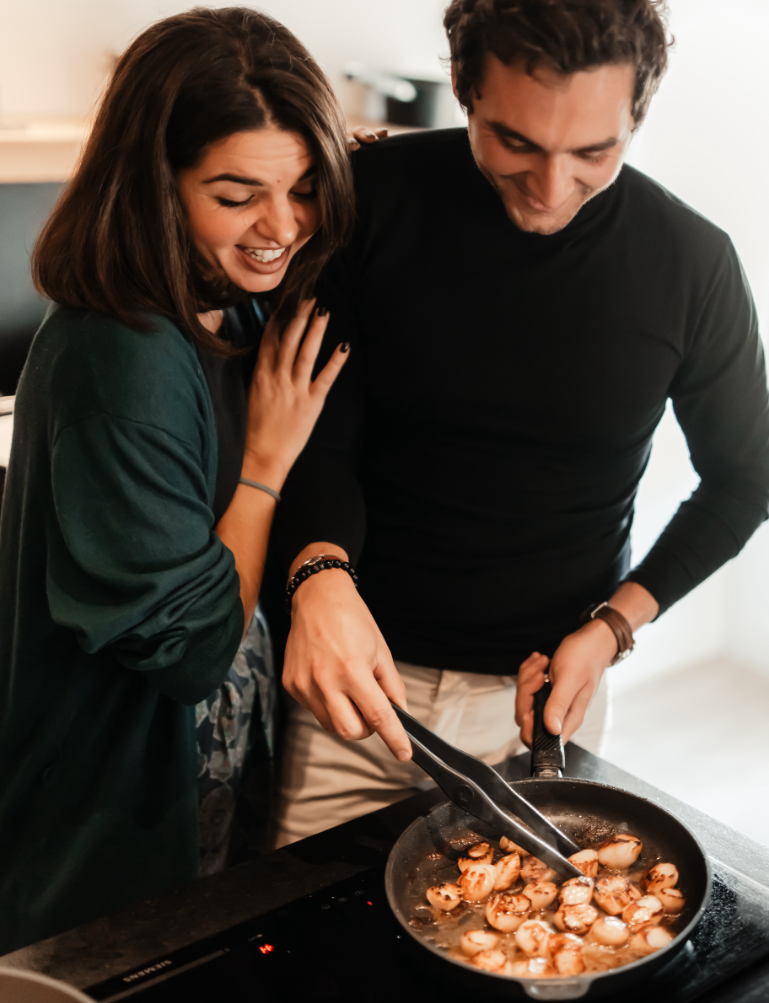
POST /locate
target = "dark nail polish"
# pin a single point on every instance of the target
(345, 347)
(322, 311)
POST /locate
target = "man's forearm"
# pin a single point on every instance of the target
(635, 603)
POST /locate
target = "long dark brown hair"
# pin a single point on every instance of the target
(118, 242)
(566, 35)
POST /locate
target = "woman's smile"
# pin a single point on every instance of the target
(265, 260)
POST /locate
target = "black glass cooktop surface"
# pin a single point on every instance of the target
(343, 944)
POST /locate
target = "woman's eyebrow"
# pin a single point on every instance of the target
(233, 177)
(239, 180)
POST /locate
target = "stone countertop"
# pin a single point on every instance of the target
(165, 923)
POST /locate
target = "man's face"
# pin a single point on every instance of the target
(548, 143)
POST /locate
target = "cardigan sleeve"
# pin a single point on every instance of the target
(134, 565)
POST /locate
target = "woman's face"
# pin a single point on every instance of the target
(252, 204)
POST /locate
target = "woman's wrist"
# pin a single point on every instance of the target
(265, 470)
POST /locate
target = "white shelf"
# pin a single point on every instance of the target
(40, 151)
(6, 432)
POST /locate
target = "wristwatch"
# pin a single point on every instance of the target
(619, 627)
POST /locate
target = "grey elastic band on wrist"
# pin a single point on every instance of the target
(260, 487)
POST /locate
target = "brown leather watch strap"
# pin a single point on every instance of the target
(619, 626)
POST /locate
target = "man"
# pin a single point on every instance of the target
(520, 307)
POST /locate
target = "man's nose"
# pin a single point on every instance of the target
(553, 182)
(277, 221)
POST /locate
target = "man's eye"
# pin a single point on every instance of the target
(594, 158)
(230, 204)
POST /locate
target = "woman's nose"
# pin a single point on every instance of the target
(277, 221)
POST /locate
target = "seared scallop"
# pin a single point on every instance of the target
(481, 853)
(508, 870)
(541, 894)
(533, 937)
(650, 939)
(575, 918)
(505, 911)
(510, 847)
(671, 898)
(444, 897)
(660, 876)
(586, 861)
(647, 909)
(475, 941)
(492, 961)
(577, 891)
(613, 894)
(620, 851)
(566, 954)
(533, 870)
(610, 931)
(532, 968)
(477, 882)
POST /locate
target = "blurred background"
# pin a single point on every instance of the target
(692, 702)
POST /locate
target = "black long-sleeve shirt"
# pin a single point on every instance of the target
(480, 454)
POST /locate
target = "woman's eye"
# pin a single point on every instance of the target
(230, 204)
(306, 195)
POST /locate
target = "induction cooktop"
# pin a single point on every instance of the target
(343, 944)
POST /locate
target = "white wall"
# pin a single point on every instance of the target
(54, 53)
(705, 138)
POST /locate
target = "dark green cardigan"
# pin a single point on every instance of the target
(119, 610)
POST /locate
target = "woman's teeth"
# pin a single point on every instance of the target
(263, 253)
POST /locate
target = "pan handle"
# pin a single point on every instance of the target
(547, 756)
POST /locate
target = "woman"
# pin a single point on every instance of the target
(147, 460)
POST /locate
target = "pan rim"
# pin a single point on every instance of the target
(587, 980)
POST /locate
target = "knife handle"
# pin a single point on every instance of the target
(547, 756)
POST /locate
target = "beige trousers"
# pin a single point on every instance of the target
(326, 781)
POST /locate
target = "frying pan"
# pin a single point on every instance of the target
(426, 852)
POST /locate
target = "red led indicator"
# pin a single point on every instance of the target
(369, 903)
(266, 948)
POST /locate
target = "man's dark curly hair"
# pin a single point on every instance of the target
(565, 35)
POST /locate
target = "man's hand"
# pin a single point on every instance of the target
(577, 667)
(338, 665)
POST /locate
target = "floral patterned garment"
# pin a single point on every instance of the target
(236, 740)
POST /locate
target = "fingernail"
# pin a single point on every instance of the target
(558, 726)
(370, 134)
(345, 347)
(322, 311)
(403, 755)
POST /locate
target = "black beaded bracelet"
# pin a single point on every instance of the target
(323, 562)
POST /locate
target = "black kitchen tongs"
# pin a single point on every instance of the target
(481, 791)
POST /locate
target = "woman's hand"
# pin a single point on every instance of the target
(361, 134)
(285, 402)
(283, 406)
